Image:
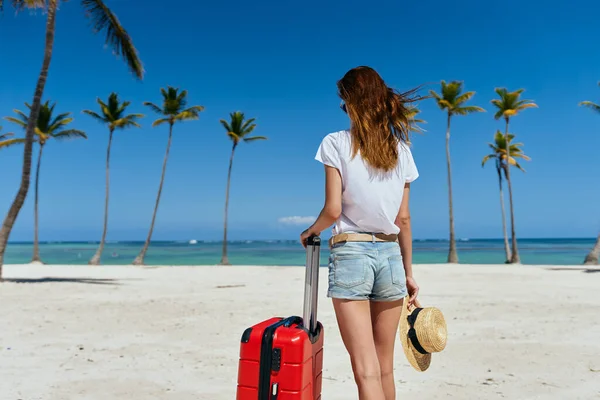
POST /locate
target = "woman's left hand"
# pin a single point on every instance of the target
(306, 234)
(413, 290)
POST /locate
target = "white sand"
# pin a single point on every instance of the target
(128, 333)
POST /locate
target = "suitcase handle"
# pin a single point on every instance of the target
(311, 283)
(292, 320)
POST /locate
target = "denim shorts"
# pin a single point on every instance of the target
(366, 271)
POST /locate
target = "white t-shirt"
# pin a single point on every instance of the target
(370, 198)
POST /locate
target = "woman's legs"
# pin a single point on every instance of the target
(354, 320)
(385, 316)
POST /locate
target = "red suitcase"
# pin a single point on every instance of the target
(282, 358)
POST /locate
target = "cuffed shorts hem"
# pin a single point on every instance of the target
(333, 294)
(345, 297)
(391, 298)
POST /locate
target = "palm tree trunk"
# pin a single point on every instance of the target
(224, 258)
(36, 243)
(139, 260)
(515, 251)
(452, 253)
(592, 257)
(13, 212)
(96, 259)
(506, 246)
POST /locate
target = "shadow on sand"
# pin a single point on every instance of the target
(591, 271)
(582, 269)
(89, 281)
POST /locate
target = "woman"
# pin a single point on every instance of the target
(368, 171)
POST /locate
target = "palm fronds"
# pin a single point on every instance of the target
(500, 154)
(238, 128)
(17, 121)
(103, 19)
(69, 134)
(413, 112)
(452, 99)
(7, 140)
(113, 114)
(20, 5)
(253, 138)
(10, 142)
(174, 107)
(94, 115)
(48, 126)
(591, 105)
(468, 110)
(510, 104)
(160, 121)
(153, 107)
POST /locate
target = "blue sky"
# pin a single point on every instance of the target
(279, 62)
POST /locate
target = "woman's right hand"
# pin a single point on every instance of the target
(413, 290)
(306, 234)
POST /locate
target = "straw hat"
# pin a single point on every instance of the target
(422, 332)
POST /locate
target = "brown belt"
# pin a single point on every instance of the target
(361, 237)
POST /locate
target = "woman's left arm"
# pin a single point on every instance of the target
(333, 204)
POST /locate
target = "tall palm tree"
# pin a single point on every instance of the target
(47, 127)
(594, 254)
(238, 130)
(103, 20)
(6, 139)
(173, 110)
(499, 155)
(510, 104)
(452, 101)
(113, 115)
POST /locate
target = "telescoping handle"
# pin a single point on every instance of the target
(311, 285)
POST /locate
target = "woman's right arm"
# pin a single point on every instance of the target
(405, 242)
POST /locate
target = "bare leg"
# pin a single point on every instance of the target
(385, 317)
(354, 320)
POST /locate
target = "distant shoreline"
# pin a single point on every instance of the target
(199, 241)
(289, 252)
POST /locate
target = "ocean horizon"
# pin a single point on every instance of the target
(533, 251)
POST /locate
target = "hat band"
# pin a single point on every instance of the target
(412, 333)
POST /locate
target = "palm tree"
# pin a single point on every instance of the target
(6, 139)
(594, 254)
(499, 156)
(103, 20)
(237, 130)
(47, 127)
(510, 104)
(113, 115)
(173, 110)
(452, 100)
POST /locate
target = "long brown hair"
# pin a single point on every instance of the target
(379, 115)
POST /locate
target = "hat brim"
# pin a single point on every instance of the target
(419, 361)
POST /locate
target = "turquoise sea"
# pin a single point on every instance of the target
(290, 253)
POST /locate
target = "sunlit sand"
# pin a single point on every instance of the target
(131, 333)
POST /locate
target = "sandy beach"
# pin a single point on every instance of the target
(130, 333)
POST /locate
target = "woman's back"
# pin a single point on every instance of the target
(368, 170)
(371, 198)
